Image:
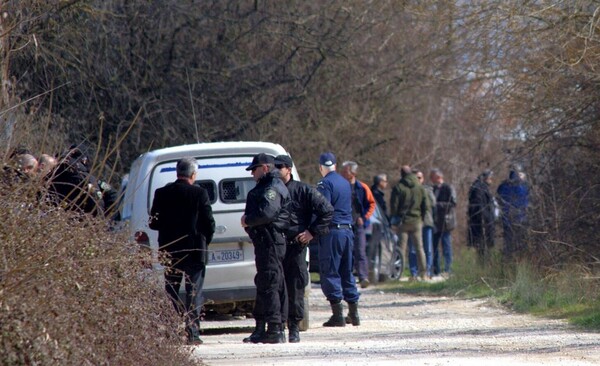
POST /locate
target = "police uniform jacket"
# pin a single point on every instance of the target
(182, 214)
(306, 201)
(338, 191)
(267, 209)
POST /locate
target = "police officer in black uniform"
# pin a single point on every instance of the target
(265, 219)
(306, 201)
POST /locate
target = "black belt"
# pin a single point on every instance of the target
(341, 226)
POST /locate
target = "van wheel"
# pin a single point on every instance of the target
(305, 322)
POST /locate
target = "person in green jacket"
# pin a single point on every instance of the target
(408, 207)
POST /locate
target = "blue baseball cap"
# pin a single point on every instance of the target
(327, 159)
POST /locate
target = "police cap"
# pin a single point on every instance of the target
(327, 159)
(260, 159)
(284, 160)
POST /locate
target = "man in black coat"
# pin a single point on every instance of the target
(182, 214)
(481, 218)
(306, 203)
(265, 219)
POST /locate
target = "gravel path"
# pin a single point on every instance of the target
(413, 330)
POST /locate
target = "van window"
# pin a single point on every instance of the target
(210, 187)
(235, 190)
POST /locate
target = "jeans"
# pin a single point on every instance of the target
(427, 248)
(446, 241)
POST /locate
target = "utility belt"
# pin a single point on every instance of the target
(341, 226)
(267, 233)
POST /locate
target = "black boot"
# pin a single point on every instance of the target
(274, 334)
(258, 333)
(293, 331)
(337, 319)
(353, 317)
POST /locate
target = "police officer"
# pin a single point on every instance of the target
(306, 202)
(335, 248)
(265, 219)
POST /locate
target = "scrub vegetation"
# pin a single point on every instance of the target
(73, 292)
(568, 293)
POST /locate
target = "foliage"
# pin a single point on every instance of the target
(72, 292)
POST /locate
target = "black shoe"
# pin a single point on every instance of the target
(195, 340)
(294, 332)
(257, 334)
(193, 335)
(274, 334)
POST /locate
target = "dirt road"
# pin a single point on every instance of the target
(403, 329)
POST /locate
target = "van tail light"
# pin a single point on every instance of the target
(142, 238)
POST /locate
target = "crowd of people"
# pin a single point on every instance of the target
(62, 180)
(282, 216)
(509, 206)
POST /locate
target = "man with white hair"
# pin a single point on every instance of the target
(363, 206)
(27, 164)
(335, 248)
(182, 214)
(45, 164)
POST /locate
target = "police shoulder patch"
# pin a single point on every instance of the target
(271, 194)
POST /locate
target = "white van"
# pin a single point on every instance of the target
(229, 284)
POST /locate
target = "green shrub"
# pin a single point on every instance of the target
(72, 292)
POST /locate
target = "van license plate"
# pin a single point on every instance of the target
(225, 256)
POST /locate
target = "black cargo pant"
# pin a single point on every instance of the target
(271, 303)
(296, 279)
(194, 280)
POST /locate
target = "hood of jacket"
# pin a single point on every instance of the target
(410, 181)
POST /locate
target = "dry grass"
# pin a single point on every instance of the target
(73, 292)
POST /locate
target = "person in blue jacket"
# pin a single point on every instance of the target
(335, 248)
(513, 194)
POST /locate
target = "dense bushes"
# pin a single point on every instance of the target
(71, 292)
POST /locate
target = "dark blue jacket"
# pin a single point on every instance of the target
(365, 201)
(514, 199)
(338, 191)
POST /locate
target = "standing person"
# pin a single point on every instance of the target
(335, 248)
(481, 217)
(72, 185)
(408, 206)
(513, 194)
(445, 221)
(266, 219)
(363, 206)
(182, 214)
(306, 203)
(380, 182)
(427, 232)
